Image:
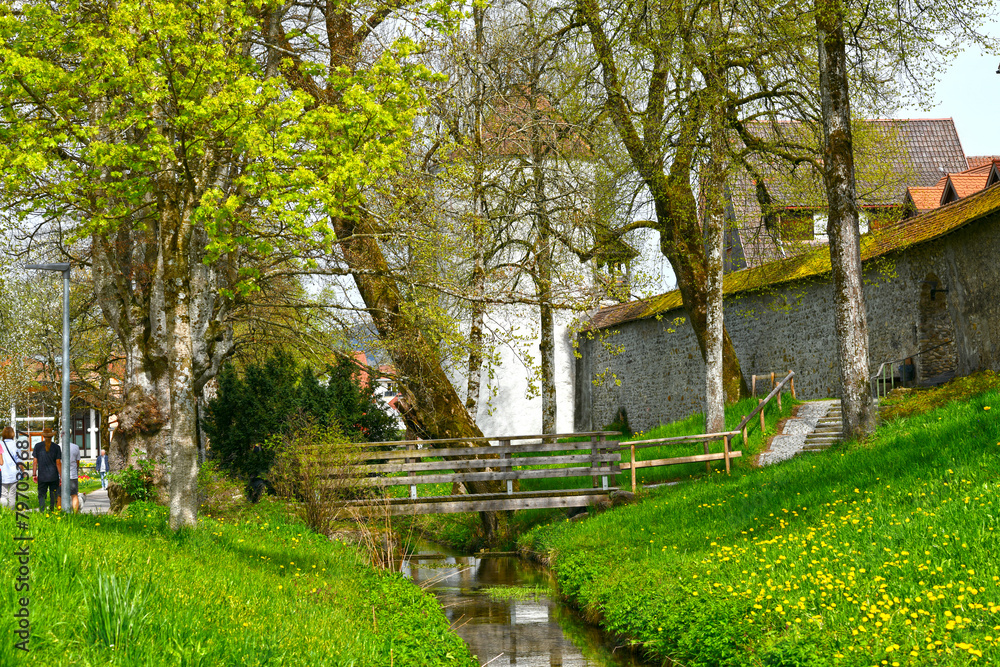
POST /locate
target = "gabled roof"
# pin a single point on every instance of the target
(924, 199)
(962, 185)
(890, 155)
(904, 234)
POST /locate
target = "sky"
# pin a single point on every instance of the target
(968, 92)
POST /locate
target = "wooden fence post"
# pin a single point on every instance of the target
(725, 449)
(759, 401)
(508, 467)
(772, 379)
(708, 464)
(753, 385)
(779, 403)
(413, 487)
(632, 469)
(743, 420)
(792, 383)
(604, 449)
(593, 456)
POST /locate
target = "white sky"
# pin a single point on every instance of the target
(968, 92)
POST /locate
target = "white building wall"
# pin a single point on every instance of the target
(507, 404)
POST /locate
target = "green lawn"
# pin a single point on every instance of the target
(256, 590)
(874, 553)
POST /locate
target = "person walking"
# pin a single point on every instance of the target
(102, 468)
(74, 476)
(46, 470)
(9, 468)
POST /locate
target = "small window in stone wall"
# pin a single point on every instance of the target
(797, 224)
(939, 354)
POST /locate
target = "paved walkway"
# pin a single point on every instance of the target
(793, 436)
(95, 502)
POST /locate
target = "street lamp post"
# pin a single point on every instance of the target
(64, 430)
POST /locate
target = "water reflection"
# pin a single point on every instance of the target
(531, 632)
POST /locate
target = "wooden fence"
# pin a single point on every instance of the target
(476, 460)
(726, 454)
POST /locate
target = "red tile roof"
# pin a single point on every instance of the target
(904, 234)
(976, 161)
(925, 199)
(963, 185)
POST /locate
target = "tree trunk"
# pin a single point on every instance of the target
(546, 348)
(479, 268)
(715, 180)
(122, 276)
(432, 407)
(842, 226)
(183, 446)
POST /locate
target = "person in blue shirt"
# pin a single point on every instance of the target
(46, 470)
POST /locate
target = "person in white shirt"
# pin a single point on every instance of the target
(9, 468)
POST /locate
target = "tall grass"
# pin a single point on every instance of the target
(873, 553)
(118, 611)
(260, 589)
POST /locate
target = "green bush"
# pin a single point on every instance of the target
(137, 479)
(261, 403)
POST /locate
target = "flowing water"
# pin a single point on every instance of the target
(507, 611)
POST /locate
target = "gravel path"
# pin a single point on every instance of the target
(95, 502)
(793, 435)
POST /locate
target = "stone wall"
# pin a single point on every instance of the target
(653, 368)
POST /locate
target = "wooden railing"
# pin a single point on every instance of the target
(725, 455)
(744, 428)
(771, 377)
(409, 464)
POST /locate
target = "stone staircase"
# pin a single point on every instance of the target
(827, 432)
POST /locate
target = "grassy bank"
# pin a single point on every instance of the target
(875, 553)
(256, 590)
(463, 531)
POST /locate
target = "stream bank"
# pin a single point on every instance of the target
(508, 612)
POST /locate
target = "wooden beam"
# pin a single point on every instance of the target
(485, 440)
(477, 503)
(680, 438)
(428, 452)
(698, 458)
(469, 464)
(449, 478)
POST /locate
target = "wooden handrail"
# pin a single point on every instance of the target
(726, 454)
(544, 436)
(764, 402)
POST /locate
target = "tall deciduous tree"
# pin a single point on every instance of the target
(843, 221)
(152, 131)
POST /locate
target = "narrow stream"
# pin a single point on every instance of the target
(521, 624)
